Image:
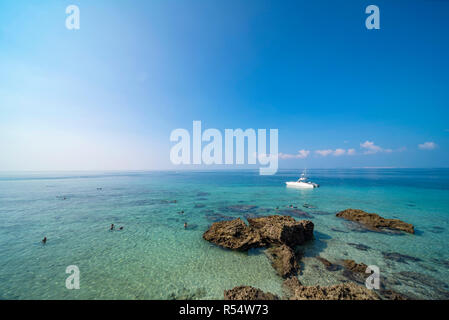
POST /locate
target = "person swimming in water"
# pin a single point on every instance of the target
(121, 228)
(44, 241)
(112, 227)
(185, 225)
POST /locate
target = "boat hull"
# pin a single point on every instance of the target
(301, 185)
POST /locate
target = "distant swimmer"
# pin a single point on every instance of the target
(112, 227)
(121, 228)
(44, 241)
(185, 225)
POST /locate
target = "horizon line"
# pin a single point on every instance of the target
(205, 169)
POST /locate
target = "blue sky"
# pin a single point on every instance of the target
(107, 96)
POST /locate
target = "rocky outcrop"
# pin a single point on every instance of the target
(248, 293)
(234, 234)
(308, 229)
(343, 291)
(351, 265)
(375, 222)
(289, 286)
(277, 230)
(283, 230)
(283, 260)
(282, 233)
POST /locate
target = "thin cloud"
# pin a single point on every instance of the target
(339, 152)
(302, 154)
(351, 152)
(427, 146)
(371, 148)
(324, 153)
(368, 147)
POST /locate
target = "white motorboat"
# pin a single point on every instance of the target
(302, 183)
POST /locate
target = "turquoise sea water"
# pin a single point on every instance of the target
(154, 257)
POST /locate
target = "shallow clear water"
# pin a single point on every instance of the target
(155, 258)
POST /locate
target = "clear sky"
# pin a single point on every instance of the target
(108, 95)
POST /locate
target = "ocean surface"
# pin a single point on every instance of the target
(154, 257)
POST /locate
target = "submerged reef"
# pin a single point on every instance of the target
(375, 222)
(283, 237)
(343, 291)
(248, 293)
